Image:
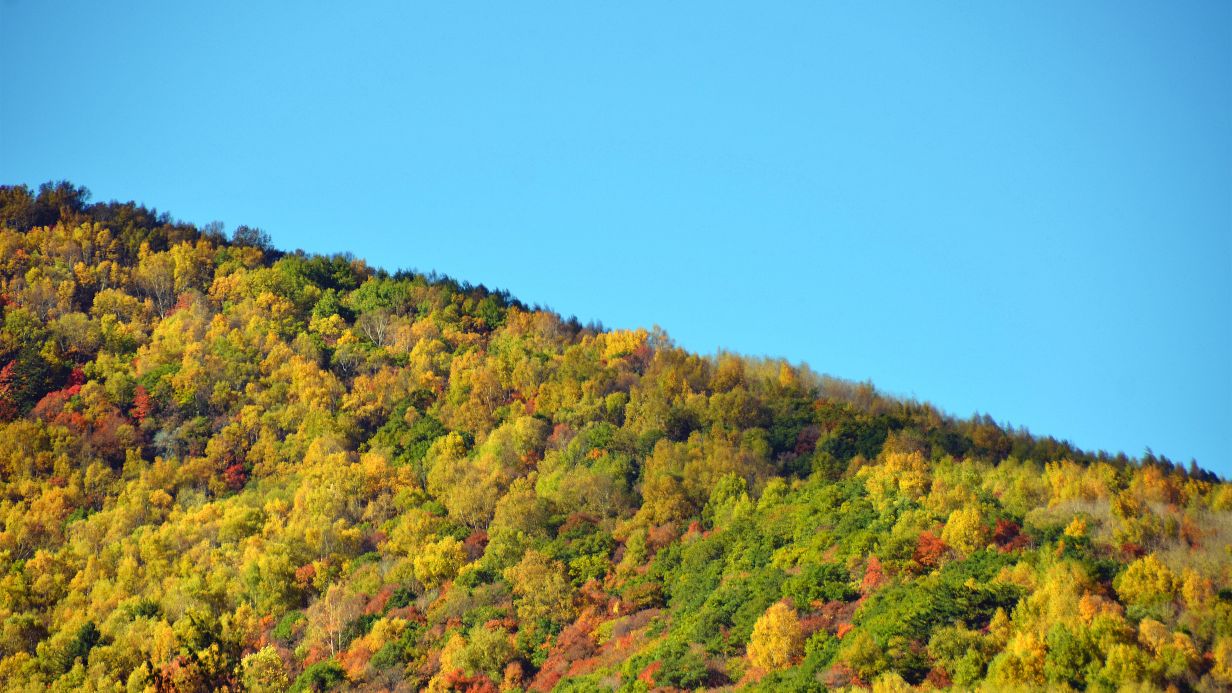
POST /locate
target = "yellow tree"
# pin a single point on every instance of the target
(901, 474)
(777, 639)
(155, 276)
(541, 588)
(1221, 671)
(439, 561)
(264, 671)
(966, 530)
(1021, 664)
(1147, 580)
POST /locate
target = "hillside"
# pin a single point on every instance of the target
(225, 466)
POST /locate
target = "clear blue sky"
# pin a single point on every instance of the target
(1023, 209)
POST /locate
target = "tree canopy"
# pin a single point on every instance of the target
(227, 467)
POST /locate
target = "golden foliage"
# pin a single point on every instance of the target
(777, 639)
(1147, 580)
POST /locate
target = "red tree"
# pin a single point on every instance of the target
(874, 576)
(8, 407)
(141, 404)
(929, 550)
(235, 476)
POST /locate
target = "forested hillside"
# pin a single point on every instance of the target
(229, 467)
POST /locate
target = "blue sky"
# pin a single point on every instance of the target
(1023, 209)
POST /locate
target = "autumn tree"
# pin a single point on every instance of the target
(264, 671)
(541, 589)
(777, 639)
(966, 530)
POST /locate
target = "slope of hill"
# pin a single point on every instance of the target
(228, 467)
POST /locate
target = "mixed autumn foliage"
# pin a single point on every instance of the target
(227, 467)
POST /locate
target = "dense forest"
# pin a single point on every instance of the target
(228, 467)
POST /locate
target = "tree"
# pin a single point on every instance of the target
(264, 671)
(966, 530)
(488, 650)
(862, 654)
(8, 392)
(900, 475)
(1021, 664)
(963, 653)
(777, 640)
(322, 676)
(142, 404)
(929, 550)
(330, 615)
(542, 590)
(251, 236)
(439, 561)
(155, 277)
(376, 325)
(1147, 581)
(1222, 655)
(1069, 655)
